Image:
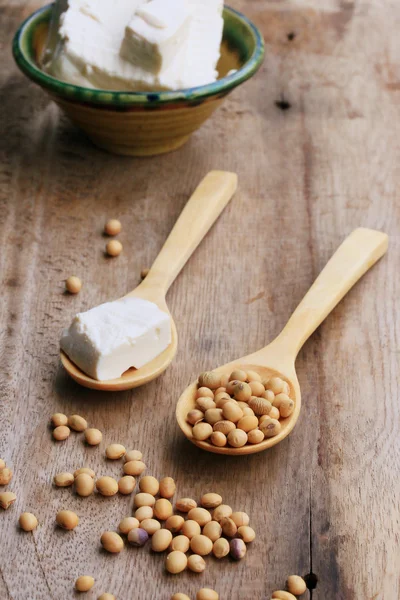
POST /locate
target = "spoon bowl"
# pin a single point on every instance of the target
(201, 211)
(132, 377)
(187, 403)
(358, 253)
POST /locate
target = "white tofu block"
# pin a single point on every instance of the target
(157, 34)
(109, 339)
(134, 44)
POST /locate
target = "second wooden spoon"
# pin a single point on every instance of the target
(358, 253)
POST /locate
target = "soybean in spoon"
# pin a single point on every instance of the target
(110, 325)
(358, 253)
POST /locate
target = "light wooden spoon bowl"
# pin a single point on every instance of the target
(358, 253)
(198, 216)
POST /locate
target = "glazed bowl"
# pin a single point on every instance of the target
(142, 123)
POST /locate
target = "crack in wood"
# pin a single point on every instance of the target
(41, 567)
(5, 584)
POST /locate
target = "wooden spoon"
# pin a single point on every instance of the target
(199, 214)
(358, 253)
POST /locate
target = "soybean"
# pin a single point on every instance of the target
(149, 485)
(210, 379)
(133, 455)
(73, 284)
(85, 470)
(237, 438)
(185, 504)
(61, 433)
(296, 585)
(84, 583)
(126, 485)
(284, 404)
(255, 436)
(246, 533)
(161, 540)
(276, 385)
(229, 527)
(77, 423)
(268, 395)
(143, 499)
(5, 476)
(202, 431)
(181, 543)
(84, 485)
(221, 548)
(232, 412)
(270, 428)
(203, 392)
(67, 519)
(134, 467)
(237, 549)
(211, 500)
(242, 391)
(213, 415)
(63, 479)
(240, 518)
(224, 426)
(150, 526)
(201, 544)
(176, 562)
(196, 563)
(253, 376)
(163, 509)
(238, 375)
(93, 436)
(282, 595)
(191, 528)
(218, 439)
(138, 537)
(107, 486)
(221, 512)
(274, 413)
(167, 487)
(127, 524)
(115, 451)
(194, 416)
(174, 523)
(200, 515)
(112, 542)
(257, 388)
(59, 419)
(28, 521)
(204, 404)
(113, 248)
(212, 530)
(260, 406)
(112, 227)
(144, 512)
(207, 594)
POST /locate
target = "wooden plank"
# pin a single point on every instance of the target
(311, 169)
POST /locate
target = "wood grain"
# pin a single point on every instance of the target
(314, 139)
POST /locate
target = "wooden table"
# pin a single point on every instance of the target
(314, 139)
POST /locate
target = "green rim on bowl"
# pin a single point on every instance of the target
(239, 33)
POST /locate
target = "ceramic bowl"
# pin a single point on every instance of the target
(142, 123)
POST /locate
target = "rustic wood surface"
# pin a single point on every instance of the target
(314, 139)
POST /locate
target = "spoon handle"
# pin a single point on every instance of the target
(200, 213)
(358, 253)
